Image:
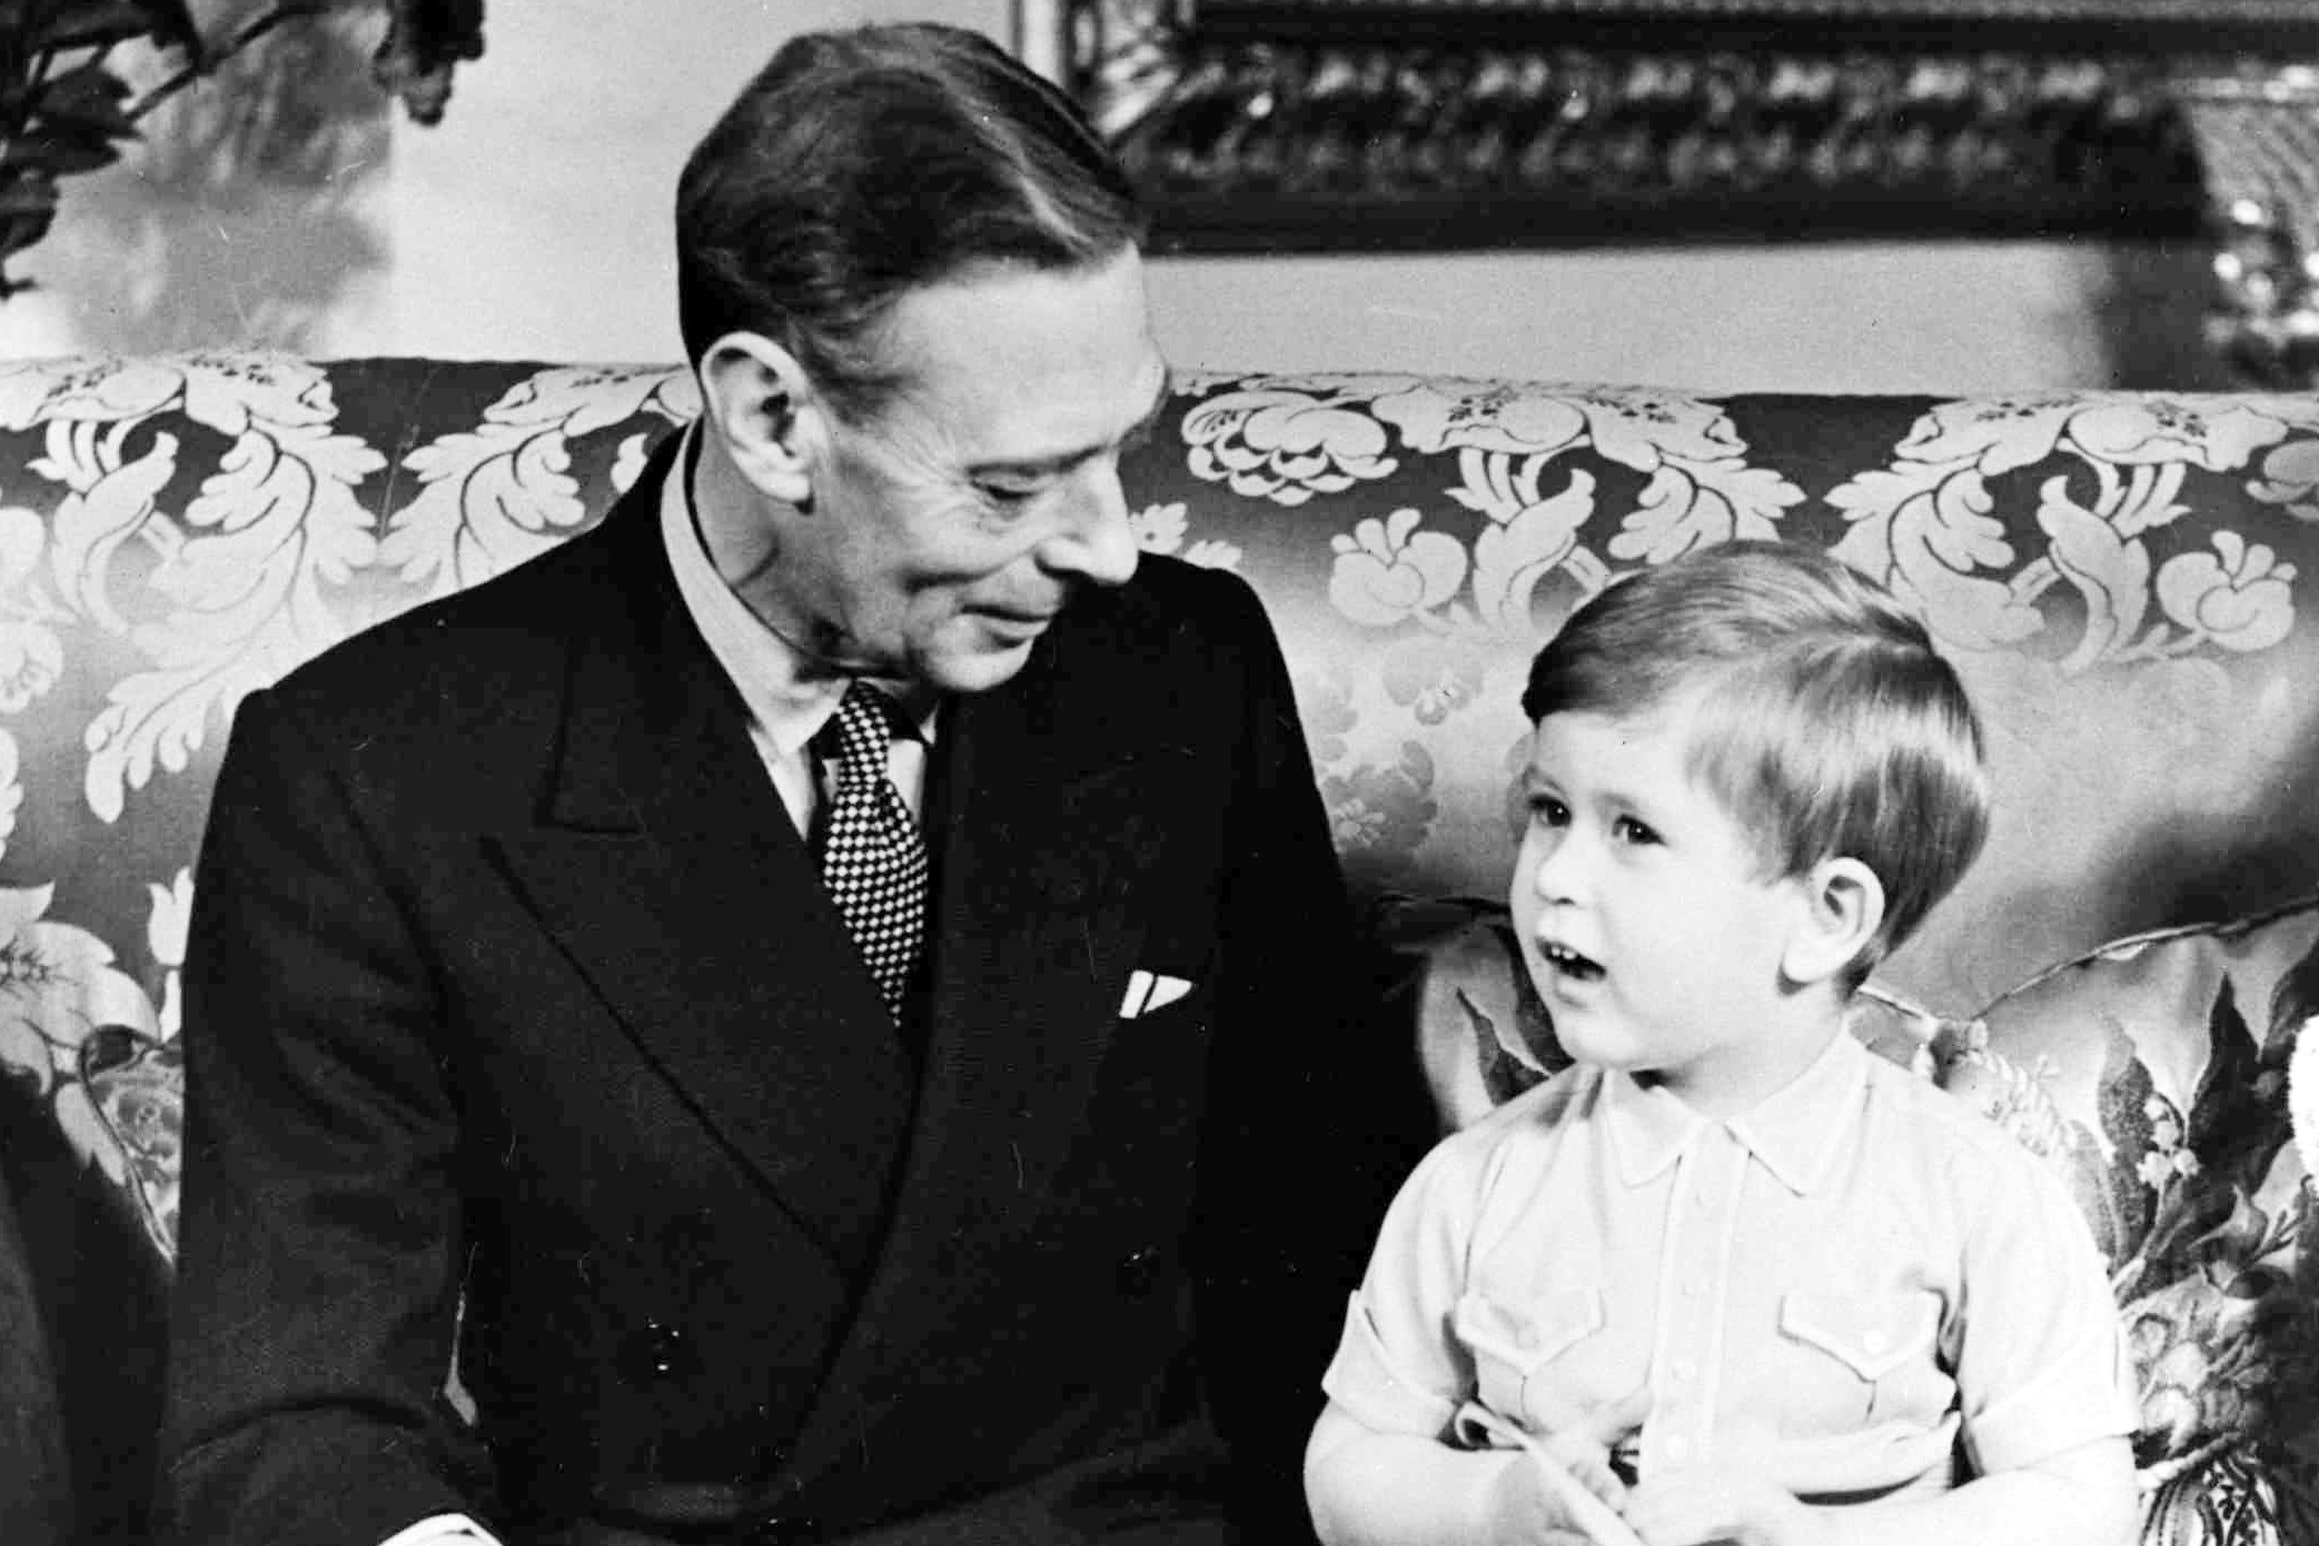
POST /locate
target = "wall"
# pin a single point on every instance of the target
(297, 210)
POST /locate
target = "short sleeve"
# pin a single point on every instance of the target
(1398, 1367)
(2042, 1365)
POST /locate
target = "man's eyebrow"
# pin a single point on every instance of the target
(1035, 465)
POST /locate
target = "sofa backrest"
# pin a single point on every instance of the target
(2119, 576)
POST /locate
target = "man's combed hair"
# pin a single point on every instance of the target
(861, 164)
(1820, 714)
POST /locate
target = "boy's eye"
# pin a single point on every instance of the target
(1632, 831)
(1548, 811)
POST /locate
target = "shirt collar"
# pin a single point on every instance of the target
(789, 705)
(1648, 1126)
(1794, 1132)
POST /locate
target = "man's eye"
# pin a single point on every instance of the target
(1008, 493)
(1632, 831)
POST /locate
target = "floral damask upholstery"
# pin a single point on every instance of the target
(2118, 576)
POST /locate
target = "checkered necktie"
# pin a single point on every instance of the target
(873, 858)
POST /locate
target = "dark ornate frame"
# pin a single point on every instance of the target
(1288, 125)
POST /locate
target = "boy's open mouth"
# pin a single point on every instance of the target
(1570, 963)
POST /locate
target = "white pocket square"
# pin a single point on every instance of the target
(1147, 991)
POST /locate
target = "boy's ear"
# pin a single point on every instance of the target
(1843, 906)
(760, 403)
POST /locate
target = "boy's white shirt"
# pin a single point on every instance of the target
(1528, 1259)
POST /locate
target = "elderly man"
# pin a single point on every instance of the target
(826, 998)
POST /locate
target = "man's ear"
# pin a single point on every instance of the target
(760, 403)
(1843, 906)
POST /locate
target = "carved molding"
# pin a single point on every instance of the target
(1283, 125)
(2257, 131)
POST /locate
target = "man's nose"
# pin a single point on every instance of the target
(1096, 541)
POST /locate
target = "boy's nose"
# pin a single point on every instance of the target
(1556, 875)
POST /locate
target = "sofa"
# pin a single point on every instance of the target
(2121, 981)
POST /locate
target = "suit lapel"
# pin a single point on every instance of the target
(1034, 933)
(671, 873)
(1046, 824)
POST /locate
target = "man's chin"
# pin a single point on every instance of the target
(979, 669)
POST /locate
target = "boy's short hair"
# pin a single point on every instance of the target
(1829, 728)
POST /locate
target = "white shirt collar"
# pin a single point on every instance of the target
(789, 705)
(1795, 1131)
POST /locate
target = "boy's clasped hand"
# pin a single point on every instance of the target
(1564, 1489)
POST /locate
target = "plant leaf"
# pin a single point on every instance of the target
(17, 232)
(173, 23)
(99, 23)
(28, 193)
(88, 97)
(59, 151)
(424, 41)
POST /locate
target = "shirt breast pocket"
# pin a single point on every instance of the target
(1517, 1345)
(1861, 1360)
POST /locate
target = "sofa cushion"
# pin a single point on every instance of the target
(2155, 1073)
(2160, 1076)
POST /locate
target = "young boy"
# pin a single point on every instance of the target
(1807, 1297)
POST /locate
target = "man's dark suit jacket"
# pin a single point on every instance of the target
(511, 985)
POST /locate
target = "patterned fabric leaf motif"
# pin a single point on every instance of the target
(83, 1035)
(1394, 571)
(1925, 529)
(1283, 444)
(1925, 525)
(2129, 1109)
(1699, 490)
(2226, 1500)
(238, 574)
(496, 495)
(2238, 596)
(1432, 676)
(1383, 811)
(1162, 529)
(2222, 1153)
(2290, 478)
(1388, 572)
(1514, 556)
(137, 1088)
(1695, 504)
(2112, 574)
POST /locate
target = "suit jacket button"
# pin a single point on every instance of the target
(1138, 1271)
(657, 1351)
